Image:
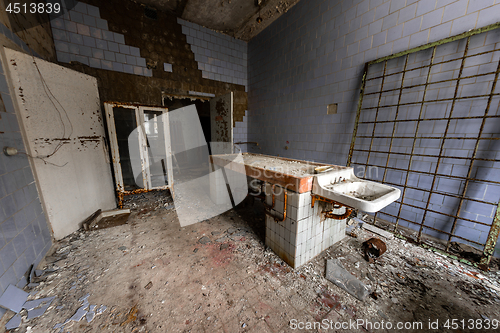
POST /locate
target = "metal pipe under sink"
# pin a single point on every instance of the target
(268, 208)
(336, 205)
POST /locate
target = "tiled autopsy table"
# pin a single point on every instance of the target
(306, 230)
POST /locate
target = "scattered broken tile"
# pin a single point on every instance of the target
(72, 288)
(224, 246)
(215, 233)
(90, 316)
(59, 307)
(84, 298)
(35, 313)
(30, 274)
(122, 248)
(14, 322)
(101, 309)
(381, 314)
(79, 314)
(43, 275)
(30, 305)
(54, 259)
(231, 230)
(204, 240)
(195, 250)
(149, 285)
(64, 249)
(222, 239)
(13, 298)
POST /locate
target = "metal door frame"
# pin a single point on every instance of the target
(139, 115)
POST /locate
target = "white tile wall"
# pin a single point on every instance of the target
(240, 132)
(81, 35)
(220, 57)
(303, 235)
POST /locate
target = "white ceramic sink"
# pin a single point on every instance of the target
(344, 187)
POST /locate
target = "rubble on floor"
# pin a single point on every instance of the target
(13, 298)
(109, 219)
(151, 275)
(149, 201)
(17, 301)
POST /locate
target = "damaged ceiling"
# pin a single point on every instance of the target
(242, 19)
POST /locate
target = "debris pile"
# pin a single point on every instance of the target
(50, 291)
(16, 300)
(220, 272)
(149, 201)
(86, 310)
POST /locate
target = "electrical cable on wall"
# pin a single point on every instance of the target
(52, 98)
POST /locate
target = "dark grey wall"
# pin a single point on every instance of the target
(24, 235)
(314, 55)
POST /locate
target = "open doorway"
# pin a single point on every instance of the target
(215, 115)
(190, 163)
(140, 146)
(202, 106)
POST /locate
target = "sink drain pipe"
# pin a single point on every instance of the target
(268, 208)
(336, 205)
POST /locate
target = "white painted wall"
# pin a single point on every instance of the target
(64, 104)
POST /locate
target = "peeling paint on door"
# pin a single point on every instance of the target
(221, 115)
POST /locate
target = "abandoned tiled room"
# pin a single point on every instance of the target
(249, 166)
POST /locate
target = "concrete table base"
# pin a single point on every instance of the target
(305, 233)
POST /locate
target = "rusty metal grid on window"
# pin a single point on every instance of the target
(424, 113)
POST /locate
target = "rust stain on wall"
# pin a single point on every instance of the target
(222, 125)
(80, 141)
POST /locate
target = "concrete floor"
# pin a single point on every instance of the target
(155, 276)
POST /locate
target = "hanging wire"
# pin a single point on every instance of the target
(53, 100)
